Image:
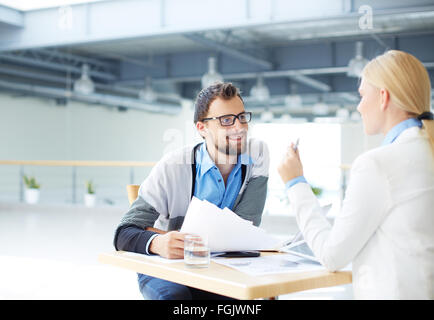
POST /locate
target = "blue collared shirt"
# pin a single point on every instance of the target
(399, 128)
(210, 185)
(390, 137)
(294, 181)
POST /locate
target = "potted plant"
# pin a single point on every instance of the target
(89, 197)
(316, 191)
(32, 189)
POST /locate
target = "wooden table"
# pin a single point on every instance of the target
(226, 281)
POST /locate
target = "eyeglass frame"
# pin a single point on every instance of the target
(234, 117)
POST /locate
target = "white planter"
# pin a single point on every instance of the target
(32, 196)
(89, 200)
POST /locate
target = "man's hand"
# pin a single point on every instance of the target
(169, 245)
(290, 167)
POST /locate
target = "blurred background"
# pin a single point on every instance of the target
(93, 93)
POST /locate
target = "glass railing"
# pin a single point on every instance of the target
(65, 181)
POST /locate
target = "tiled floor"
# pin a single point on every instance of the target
(50, 252)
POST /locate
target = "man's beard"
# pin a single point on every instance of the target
(231, 149)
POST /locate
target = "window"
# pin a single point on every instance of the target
(26, 5)
(320, 152)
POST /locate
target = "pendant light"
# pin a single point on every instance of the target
(147, 93)
(212, 76)
(356, 65)
(84, 85)
(260, 91)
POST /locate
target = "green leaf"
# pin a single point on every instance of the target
(31, 182)
(316, 191)
(89, 187)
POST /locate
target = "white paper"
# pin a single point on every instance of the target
(226, 231)
(270, 264)
(155, 258)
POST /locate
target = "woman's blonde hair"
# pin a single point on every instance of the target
(407, 81)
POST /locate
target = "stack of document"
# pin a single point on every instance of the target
(225, 230)
(271, 264)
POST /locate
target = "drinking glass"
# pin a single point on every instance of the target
(196, 251)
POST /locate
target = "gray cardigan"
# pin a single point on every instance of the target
(164, 196)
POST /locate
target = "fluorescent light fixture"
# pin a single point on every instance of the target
(147, 93)
(212, 76)
(84, 85)
(260, 91)
(356, 65)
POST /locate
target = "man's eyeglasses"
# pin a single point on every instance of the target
(229, 119)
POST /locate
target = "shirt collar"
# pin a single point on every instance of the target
(399, 128)
(206, 163)
(204, 160)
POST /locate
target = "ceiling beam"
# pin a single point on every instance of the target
(316, 84)
(63, 81)
(229, 51)
(247, 75)
(77, 59)
(300, 75)
(41, 63)
(11, 17)
(93, 22)
(95, 98)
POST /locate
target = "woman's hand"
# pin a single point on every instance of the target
(290, 167)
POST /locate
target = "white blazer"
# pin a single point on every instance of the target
(386, 226)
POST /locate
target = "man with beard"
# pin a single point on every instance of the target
(226, 169)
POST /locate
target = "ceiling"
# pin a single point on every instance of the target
(25, 5)
(301, 48)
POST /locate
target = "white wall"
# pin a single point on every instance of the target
(36, 129)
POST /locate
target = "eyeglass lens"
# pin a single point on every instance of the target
(230, 119)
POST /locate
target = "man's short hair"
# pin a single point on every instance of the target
(226, 91)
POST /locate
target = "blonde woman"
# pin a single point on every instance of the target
(386, 226)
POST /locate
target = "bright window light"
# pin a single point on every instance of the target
(26, 5)
(320, 152)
